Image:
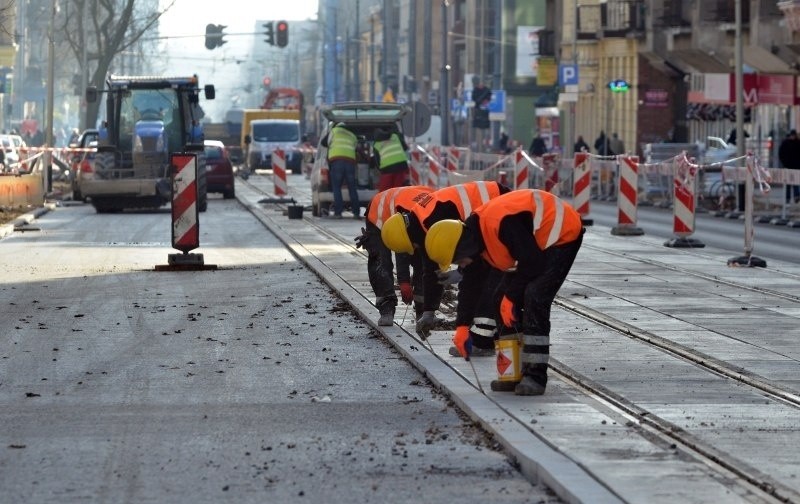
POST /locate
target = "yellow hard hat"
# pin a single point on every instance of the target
(441, 241)
(394, 234)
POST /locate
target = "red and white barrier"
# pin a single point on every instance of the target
(550, 165)
(453, 158)
(581, 185)
(415, 168)
(279, 172)
(685, 204)
(433, 174)
(185, 226)
(627, 197)
(522, 170)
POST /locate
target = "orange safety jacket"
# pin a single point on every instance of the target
(466, 197)
(386, 203)
(555, 222)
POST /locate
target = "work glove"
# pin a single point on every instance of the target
(449, 277)
(463, 341)
(406, 293)
(361, 240)
(507, 312)
(425, 323)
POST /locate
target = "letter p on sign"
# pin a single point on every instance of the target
(568, 75)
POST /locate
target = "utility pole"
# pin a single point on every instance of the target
(47, 158)
(444, 95)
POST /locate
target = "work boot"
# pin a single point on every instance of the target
(476, 352)
(530, 386)
(503, 385)
(387, 319)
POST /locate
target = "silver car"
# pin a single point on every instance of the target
(362, 118)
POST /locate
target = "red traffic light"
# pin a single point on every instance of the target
(281, 33)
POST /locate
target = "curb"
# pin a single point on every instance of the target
(8, 229)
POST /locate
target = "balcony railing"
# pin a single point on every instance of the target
(615, 18)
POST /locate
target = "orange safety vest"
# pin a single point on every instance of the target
(467, 197)
(386, 203)
(555, 222)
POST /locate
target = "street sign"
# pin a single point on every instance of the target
(567, 75)
(418, 121)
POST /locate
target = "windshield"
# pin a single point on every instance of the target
(276, 132)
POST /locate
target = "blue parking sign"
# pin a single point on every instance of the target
(567, 75)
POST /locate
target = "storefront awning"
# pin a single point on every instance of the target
(763, 61)
(694, 61)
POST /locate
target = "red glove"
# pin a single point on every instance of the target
(406, 293)
(463, 341)
(507, 312)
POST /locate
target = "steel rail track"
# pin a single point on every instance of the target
(752, 481)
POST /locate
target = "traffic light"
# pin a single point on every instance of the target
(269, 33)
(282, 35)
(214, 36)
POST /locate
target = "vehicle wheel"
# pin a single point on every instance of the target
(203, 206)
(315, 209)
(229, 194)
(76, 195)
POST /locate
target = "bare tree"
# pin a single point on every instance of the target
(106, 28)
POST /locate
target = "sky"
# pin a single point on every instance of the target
(184, 51)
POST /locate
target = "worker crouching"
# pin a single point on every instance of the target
(379, 258)
(531, 236)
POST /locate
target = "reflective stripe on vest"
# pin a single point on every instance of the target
(554, 223)
(391, 151)
(467, 197)
(342, 144)
(387, 203)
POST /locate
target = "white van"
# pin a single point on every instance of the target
(362, 118)
(266, 135)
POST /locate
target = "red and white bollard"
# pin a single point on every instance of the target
(581, 186)
(414, 168)
(685, 202)
(522, 171)
(185, 223)
(627, 197)
(279, 172)
(550, 165)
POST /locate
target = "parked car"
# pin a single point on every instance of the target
(79, 160)
(11, 144)
(219, 169)
(362, 118)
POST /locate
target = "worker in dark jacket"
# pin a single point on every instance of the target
(390, 151)
(405, 232)
(379, 258)
(532, 237)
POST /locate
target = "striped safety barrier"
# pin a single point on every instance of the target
(627, 197)
(522, 170)
(685, 204)
(279, 172)
(185, 226)
(550, 162)
(415, 168)
(581, 185)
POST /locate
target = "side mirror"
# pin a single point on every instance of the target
(210, 91)
(247, 139)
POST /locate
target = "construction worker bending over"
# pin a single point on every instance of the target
(533, 237)
(342, 144)
(405, 232)
(389, 149)
(379, 258)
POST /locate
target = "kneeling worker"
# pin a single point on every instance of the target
(533, 237)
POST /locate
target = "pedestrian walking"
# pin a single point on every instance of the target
(379, 258)
(341, 144)
(538, 146)
(390, 153)
(601, 144)
(789, 156)
(405, 232)
(616, 146)
(581, 145)
(532, 238)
